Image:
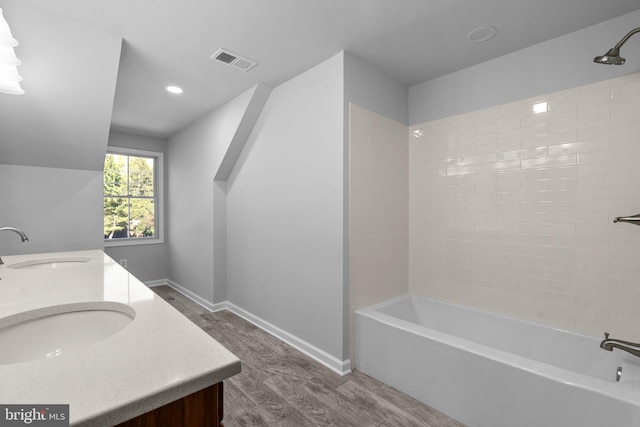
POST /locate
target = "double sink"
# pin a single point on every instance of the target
(55, 330)
(77, 328)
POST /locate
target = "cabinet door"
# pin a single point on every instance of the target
(200, 409)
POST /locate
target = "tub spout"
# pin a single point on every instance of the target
(609, 344)
(633, 219)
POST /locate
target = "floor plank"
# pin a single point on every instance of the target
(281, 387)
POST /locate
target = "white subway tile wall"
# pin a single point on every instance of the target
(379, 210)
(511, 209)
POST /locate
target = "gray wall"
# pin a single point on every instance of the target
(373, 90)
(59, 209)
(52, 138)
(70, 70)
(560, 63)
(125, 139)
(287, 201)
(194, 156)
(147, 262)
(285, 211)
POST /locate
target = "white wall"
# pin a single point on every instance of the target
(285, 211)
(194, 157)
(560, 63)
(146, 262)
(511, 210)
(58, 209)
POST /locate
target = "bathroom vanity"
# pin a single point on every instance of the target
(76, 328)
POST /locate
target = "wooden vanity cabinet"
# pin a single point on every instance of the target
(200, 409)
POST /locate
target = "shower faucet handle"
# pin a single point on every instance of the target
(606, 335)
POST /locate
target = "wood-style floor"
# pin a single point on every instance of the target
(280, 386)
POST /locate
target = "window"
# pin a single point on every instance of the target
(132, 197)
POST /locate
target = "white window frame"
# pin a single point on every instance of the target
(158, 202)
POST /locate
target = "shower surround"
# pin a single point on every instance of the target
(511, 209)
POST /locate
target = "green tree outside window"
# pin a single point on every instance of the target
(129, 196)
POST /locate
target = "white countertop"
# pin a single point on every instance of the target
(161, 356)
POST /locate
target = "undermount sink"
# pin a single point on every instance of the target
(56, 330)
(46, 263)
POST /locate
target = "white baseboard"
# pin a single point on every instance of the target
(341, 367)
(153, 283)
(196, 298)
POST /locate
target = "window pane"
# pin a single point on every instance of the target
(142, 218)
(140, 176)
(116, 213)
(115, 175)
(130, 197)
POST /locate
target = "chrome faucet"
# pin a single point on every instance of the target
(17, 231)
(610, 344)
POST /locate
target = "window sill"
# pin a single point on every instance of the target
(131, 242)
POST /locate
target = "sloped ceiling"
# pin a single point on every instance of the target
(63, 119)
(89, 65)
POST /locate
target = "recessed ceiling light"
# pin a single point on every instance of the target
(482, 34)
(174, 89)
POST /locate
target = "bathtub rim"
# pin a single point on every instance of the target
(627, 393)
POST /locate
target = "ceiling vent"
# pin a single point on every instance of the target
(236, 61)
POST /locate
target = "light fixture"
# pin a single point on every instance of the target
(174, 89)
(9, 77)
(612, 57)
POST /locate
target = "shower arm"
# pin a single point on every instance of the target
(627, 37)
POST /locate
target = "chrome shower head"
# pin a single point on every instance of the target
(613, 55)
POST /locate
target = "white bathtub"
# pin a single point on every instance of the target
(488, 370)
